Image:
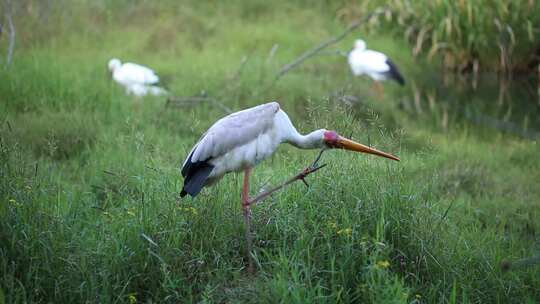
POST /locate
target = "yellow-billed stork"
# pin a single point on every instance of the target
(243, 139)
(372, 63)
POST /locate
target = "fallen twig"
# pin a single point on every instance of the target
(287, 67)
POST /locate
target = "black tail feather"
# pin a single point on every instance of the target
(196, 179)
(195, 175)
(394, 73)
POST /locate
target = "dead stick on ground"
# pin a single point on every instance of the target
(284, 69)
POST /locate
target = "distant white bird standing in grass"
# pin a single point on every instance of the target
(138, 80)
(372, 63)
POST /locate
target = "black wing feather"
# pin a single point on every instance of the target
(394, 73)
(195, 175)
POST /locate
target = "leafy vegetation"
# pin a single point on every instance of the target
(496, 35)
(89, 177)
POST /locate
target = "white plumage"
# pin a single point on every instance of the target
(372, 63)
(143, 90)
(243, 139)
(137, 80)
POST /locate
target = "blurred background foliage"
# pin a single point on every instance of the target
(500, 35)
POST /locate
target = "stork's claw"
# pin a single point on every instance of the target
(314, 164)
(313, 169)
(308, 171)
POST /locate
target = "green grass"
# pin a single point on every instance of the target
(90, 181)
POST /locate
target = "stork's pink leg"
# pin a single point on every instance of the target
(245, 189)
(379, 91)
(247, 217)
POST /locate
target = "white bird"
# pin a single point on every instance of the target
(243, 139)
(372, 63)
(143, 90)
(138, 80)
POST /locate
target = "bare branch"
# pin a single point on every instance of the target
(314, 167)
(287, 67)
(8, 15)
(333, 53)
(300, 176)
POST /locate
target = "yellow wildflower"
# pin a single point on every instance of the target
(332, 225)
(129, 212)
(346, 231)
(191, 210)
(14, 202)
(383, 264)
(418, 296)
(132, 298)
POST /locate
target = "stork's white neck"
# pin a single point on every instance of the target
(289, 134)
(313, 140)
(360, 45)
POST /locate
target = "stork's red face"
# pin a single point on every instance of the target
(335, 141)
